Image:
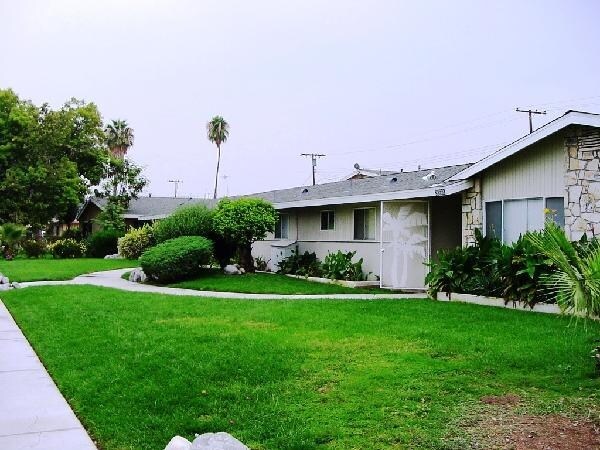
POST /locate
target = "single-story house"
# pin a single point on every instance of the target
(141, 210)
(397, 221)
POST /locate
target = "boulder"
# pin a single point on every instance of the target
(113, 256)
(178, 443)
(4, 280)
(217, 441)
(138, 276)
(15, 285)
(4, 287)
(232, 270)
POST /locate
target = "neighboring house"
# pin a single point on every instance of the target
(140, 211)
(396, 221)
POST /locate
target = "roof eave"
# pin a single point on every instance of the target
(569, 118)
(432, 191)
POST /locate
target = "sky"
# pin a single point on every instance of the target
(385, 84)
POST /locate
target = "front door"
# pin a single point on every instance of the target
(404, 244)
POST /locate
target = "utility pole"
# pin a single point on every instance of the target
(176, 183)
(313, 157)
(530, 112)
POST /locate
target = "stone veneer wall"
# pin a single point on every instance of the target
(472, 212)
(582, 184)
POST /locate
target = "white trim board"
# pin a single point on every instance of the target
(569, 118)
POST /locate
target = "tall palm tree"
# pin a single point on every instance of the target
(119, 137)
(217, 131)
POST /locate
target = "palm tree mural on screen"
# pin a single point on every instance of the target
(408, 240)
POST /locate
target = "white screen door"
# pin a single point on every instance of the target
(404, 244)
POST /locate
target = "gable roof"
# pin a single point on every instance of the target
(149, 208)
(397, 185)
(560, 123)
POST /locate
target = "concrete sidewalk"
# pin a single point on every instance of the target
(33, 413)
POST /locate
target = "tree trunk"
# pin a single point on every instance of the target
(246, 258)
(217, 174)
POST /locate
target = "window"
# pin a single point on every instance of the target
(327, 220)
(509, 219)
(281, 227)
(364, 224)
(493, 219)
(555, 210)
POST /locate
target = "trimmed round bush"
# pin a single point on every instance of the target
(103, 243)
(195, 220)
(67, 248)
(135, 242)
(177, 259)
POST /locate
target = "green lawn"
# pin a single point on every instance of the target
(58, 269)
(265, 283)
(141, 368)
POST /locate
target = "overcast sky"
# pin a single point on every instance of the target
(386, 84)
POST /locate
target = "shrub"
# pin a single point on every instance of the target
(339, 266)
(103, 243)
(176, 259)
(135, 242)
(73, 233)
(67, 248)
(195, 220)
(306, 264)
(261, 264)
(34, 248)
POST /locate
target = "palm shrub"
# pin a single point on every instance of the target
(135, 242)
(194, 220)
(339, 266)
(10, 236)
(177, 259)
(575, 281)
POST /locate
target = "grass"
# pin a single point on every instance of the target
(265, 283)
(58, 269)
(141, 368)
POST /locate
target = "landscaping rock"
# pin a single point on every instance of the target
(178, 443)
(217, 441)
(232, 270)
(16, 285)
(4, 287)
(138, 276)
(4, 280)
(113, 256)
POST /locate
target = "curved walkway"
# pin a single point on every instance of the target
(112, 279)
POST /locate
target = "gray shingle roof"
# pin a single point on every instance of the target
(404, 181)
(147, 208)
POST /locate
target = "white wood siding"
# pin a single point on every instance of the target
(309, 223)
(538, 171)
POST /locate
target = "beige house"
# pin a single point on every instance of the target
(397, 221)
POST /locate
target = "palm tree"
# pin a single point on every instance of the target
(119, 137)
(10, 235)
(217, 131)
(576, 282)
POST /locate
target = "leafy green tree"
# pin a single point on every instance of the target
(10, 235)
(243, 222)
(48, 158)
(217, 131)
(119, 137)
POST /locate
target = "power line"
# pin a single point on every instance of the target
(313, 157)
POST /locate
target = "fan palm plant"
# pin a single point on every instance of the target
(217, 131)
(119, 137)
(576, 282)
(10, 235)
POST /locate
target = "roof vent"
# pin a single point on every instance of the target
(305, 191)
(394, 180)
(430, 176)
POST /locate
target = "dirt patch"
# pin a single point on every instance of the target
(500, 424)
